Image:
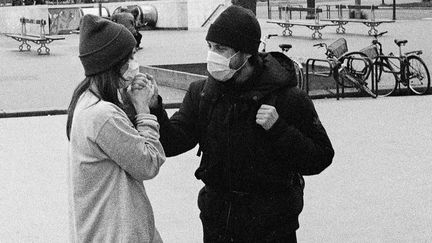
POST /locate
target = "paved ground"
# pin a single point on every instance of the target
(377, 190)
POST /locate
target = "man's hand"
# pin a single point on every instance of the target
(154, 100)
(140, 93)
(266, 116)
(148, 80)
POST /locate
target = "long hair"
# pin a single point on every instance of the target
(107, 84)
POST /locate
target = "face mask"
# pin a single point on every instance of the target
(132, 70)
(218, 66)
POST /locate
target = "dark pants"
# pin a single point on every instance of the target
(138, 38)
(243, 219)
(290, 238)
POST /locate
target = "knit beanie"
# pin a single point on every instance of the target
(238, 28)
(102, 44)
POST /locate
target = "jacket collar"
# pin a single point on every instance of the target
(269, 75)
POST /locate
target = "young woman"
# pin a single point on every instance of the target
(111, 154)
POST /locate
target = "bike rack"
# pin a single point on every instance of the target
(371, 64)
(331, 72)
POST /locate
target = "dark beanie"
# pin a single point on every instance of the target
(237, 28)
(103, 44)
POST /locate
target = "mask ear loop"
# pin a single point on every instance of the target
(241, 66)
(236, 71)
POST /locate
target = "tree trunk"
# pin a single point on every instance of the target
(249, 4)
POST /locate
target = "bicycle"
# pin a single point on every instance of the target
(349, 69)
(298, 67)
(391, 71)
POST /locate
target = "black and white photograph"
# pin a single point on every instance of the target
(215, 121)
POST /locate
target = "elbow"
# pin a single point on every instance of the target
(158, 159)
(173, 153)
(151, 170)
(151, 173)
(151, 164)
(325, 162)
(319, 163)
(172, 149)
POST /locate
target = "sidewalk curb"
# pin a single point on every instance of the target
(15, 114)
(32, 113)
(174, 105)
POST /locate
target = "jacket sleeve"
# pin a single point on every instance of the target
(137, 151)
(305, 148)
(180, 132)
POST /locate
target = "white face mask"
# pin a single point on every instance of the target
(218, 66)
(132, 70)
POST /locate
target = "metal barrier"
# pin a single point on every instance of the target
(330, 71)
(95, 11)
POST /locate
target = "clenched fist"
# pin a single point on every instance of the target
(140, 93)
(266, 116)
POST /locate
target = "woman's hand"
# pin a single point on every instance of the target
(140, 93)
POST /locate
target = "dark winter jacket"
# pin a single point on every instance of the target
(238, 155)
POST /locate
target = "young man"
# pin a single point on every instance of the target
(257, 135)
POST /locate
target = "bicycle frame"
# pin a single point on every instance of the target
(387, 59)
(314, 63)
(340, 68)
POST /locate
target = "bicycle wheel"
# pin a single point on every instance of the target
(385, 78)
(299, 74)
(417, 75)
(355, 67)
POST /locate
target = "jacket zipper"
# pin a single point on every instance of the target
(230, 122)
